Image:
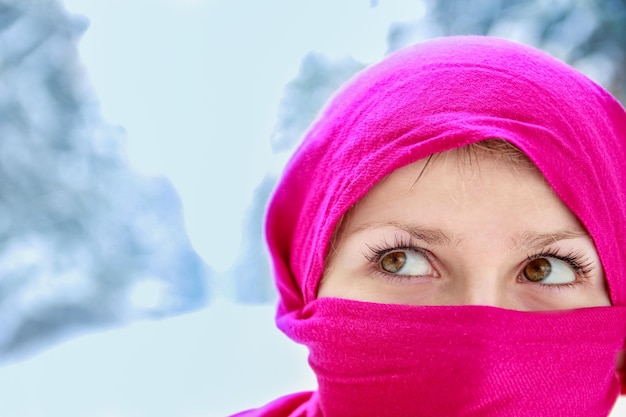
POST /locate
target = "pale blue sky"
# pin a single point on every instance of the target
(196, 84)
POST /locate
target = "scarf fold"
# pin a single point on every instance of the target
(404, 361)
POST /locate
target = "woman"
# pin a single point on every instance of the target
(449, 239)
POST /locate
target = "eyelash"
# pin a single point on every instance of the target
(377, 252)
(580, 264)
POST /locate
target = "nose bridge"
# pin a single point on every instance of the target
(482, 286)
(483, 271)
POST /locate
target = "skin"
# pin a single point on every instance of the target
(465, 231)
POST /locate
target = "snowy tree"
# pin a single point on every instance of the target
(589, 35)
(318, 78)
(84, 240)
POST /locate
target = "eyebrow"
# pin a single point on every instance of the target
(435, 237)
(439, 237)
(532, 241)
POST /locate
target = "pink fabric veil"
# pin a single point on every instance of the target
(439, 95)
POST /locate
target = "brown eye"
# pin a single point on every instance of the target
(548, 270)
(537, 270)
(405, 263)
(393, 261)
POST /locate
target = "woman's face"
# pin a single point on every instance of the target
(477, 231)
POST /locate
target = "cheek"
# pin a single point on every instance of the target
(352, 285)
(342, 280)
(351, 276)
(369, 289)
(542, 299)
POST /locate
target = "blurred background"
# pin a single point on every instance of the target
(139, 142)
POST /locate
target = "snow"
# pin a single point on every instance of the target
(214, 362)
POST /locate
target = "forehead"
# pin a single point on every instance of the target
(464, 185)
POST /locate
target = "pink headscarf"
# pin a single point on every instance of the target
(425, 99)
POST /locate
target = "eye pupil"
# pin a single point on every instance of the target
(537, 270)
(393, 262)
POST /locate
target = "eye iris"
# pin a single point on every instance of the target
(537, 270)
(393, 262)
